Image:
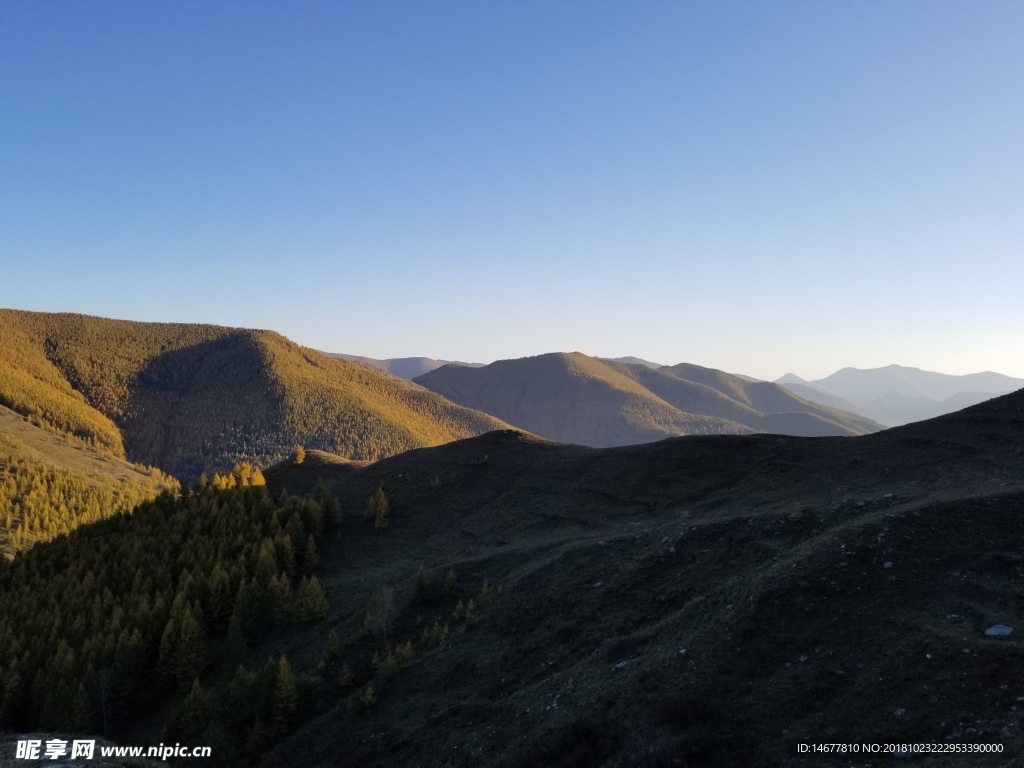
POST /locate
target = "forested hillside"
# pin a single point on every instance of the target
(51, 482)
(197, 398)
(123, 616)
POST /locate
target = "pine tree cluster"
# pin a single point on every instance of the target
(99, 625)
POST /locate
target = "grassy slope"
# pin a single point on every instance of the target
(579, 399)
(572, 398)
(190, 398)
(763, 556)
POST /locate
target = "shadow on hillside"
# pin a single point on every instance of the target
(216, 394)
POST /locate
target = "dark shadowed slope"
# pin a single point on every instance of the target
(190, 398)
(713, 600)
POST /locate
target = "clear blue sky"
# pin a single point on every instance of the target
(755, 186)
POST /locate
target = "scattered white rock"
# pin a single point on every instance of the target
(927, 655)
(621, 665)
(900, 712)
(999, 630)
(887, 564)
(598, 584)
(682, 651)
(887, 496)
(803, 659)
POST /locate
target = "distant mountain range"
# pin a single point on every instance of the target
(881, 397)
(574, 398)
(411, 367)
(896, 394)
(403, 367)
(637, 361)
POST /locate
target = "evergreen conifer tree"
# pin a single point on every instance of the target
(286, 697)
(312, 600)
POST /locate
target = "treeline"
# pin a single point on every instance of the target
(40, 501)
(98, 627)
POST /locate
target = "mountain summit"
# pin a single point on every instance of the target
(574, 398)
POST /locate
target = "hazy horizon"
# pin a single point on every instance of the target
(663, 362)
(486, 360)
(762, 189)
